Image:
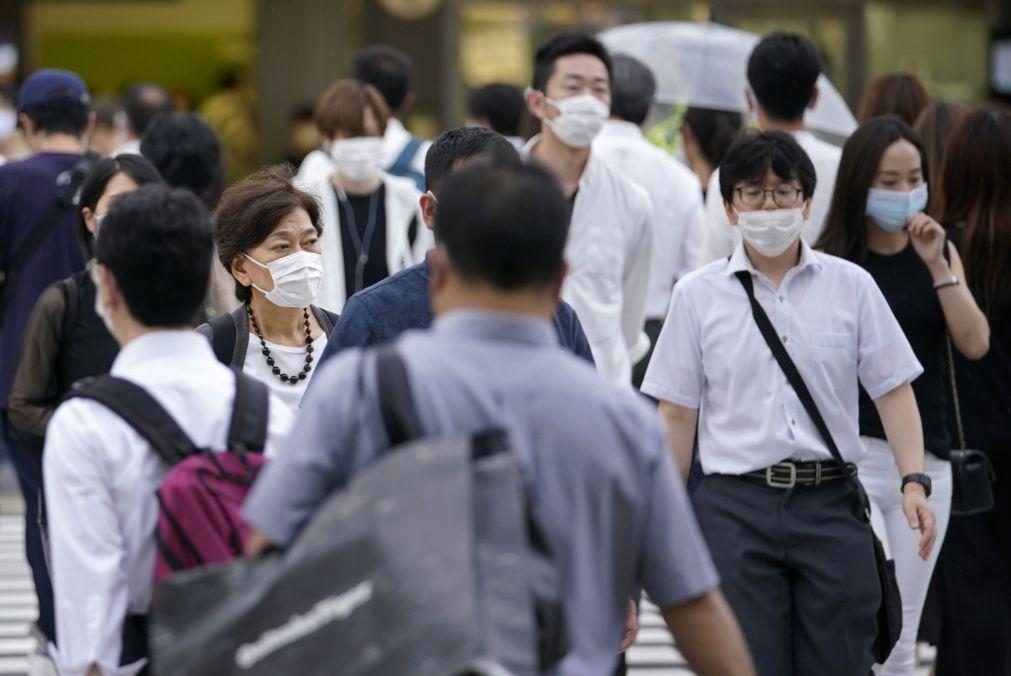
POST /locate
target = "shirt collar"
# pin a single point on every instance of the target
(158, 345)
(620, 129)
(497, 326)
(740, 261)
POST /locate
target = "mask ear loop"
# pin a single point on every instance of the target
(252, 283)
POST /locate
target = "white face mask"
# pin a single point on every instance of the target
(297, 278)
(99, 305)
(580, 119)
(771, 233)
(357, 158)
(8, 123)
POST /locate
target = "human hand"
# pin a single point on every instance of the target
(920, 517)
(928, 238)
(631, 627)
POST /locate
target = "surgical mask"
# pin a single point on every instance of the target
(359, 158)
(8, 123)
(771, 233)
(580, 119)
(297, 279)
(891, 209)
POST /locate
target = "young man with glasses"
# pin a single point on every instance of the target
(796, 560)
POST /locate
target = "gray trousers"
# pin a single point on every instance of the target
(798, 569)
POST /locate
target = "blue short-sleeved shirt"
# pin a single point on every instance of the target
(593, 454)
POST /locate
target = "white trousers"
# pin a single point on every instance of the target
(880, 477)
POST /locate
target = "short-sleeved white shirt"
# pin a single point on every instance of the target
(834, 322)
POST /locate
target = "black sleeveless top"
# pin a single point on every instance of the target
(908, 287)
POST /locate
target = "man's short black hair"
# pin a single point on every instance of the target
(456, 145)
(186, 152)
(501, 104)
(632, 90)
(144, 102)
(158, 245)
(68, 118)
(782, 71)
(504, 225)
(750, 157)
(567, 44)
(387, 69)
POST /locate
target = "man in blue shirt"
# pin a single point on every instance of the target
(39, 246)
(592, 453)
(383, 311)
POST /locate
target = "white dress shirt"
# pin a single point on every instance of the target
(131, 147)
(608, 253)
(720, 237)
(395, 140)
(100, 482)
(677, 204)
(710, 356)
(291, 360)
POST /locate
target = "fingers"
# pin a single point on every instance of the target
(928, 536)
(912, 516)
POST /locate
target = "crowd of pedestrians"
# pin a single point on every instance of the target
(736, 384)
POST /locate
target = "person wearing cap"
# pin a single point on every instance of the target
(39, 246)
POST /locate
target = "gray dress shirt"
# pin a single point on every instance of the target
(593, 455)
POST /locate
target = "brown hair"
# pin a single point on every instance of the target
(899, 94)
(251, 209)
(934, 126)
(342, 108)
(977, 197)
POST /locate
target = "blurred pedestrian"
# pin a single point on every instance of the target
(900, 94)
(677, 210)
(499, 107)
(609, 246)
(268, 238)
(613, 509)
(303, 136)
(109, 132)
(231, 112)
(783, 74)
(975, 566)
(797, 566)
(142, 103)
(12, 145)
(391, 72)
(38, 246)
(153, 258)
(934, 126)
(401, 302)
(706, 135)
(370, 219)
(877, 222)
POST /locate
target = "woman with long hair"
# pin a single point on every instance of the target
(934, 126)
(876, 221)
(974, 573)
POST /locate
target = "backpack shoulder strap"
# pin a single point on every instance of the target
(396, 405)
(72, 301)
(402, 165)
(141, 411)
(248, 428)
(223, 336)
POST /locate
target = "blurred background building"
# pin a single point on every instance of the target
(255, 67)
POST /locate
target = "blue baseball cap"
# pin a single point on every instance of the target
(51, 87)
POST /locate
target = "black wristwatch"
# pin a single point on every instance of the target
(921, 479)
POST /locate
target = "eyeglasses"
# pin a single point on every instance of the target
(785, 197)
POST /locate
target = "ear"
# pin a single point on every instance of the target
(89, 219)
(731, 212)
(238, 270)
(535, 103)
(807, 209)
(427, 210)
(814, 98)
(26, 124)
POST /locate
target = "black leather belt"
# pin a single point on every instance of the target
(788, 474)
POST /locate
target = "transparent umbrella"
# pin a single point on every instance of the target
(705, 65)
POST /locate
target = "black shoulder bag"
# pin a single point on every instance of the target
(890, 612)
(971, 471)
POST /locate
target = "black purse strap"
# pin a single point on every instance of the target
(794, 378)
(954, 397)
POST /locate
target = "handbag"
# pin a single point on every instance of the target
(972, 474)
(889, 617)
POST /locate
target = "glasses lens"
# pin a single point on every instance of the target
(751, 197)
(786, 197)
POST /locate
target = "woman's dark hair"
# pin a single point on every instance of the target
(899, 94)
(934, 127)
(251, 209)
(714, 130)
(845, 231)
(136, 167)
(977, 197)
(752, 155)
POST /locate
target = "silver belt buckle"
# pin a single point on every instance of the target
(773, 482)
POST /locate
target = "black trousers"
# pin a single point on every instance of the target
(797, 567)
(973, 580)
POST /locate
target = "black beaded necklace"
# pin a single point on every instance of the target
(285, 378)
